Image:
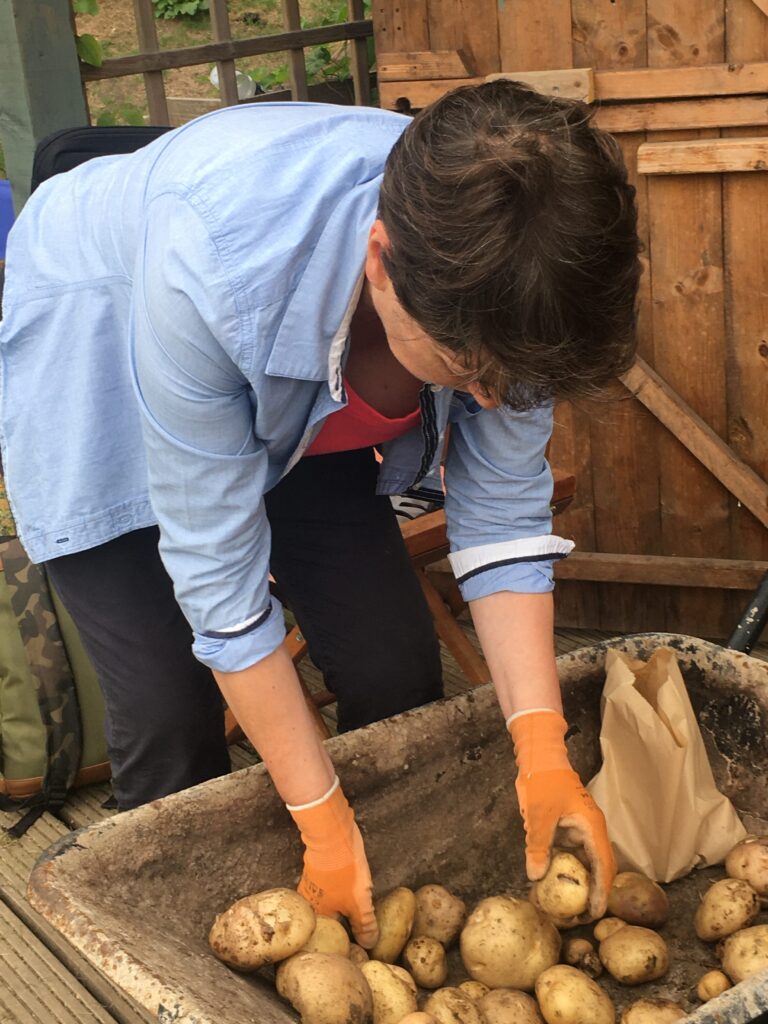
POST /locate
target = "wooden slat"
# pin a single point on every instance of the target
(535, 35)
(359, 57)
(570, 84)
(705, 156)
(761, 5)
(661, 570)
(607, 34)
(142, 63)
(402, 27)
(685, 32)
(153, 76)
(220, 32)
(731, 111)
(296, 65)
(745, 210)
(418, 64)
(453, 27)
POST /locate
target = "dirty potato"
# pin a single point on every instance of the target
(357, 954)
(746, 952)
(439, 914)
(637, 899)
(507, 943)
(394, 997)
(474, 989)
(582, 954)
(563, 893)
(419, 1018)
(607, 927)
(452, 1006)
(748, 861)
(329, 936)
(325, 989)
(726, 907)
(712, 984)
(653, 1011)
(633, 955)
(262, 929)
(425, 959)
(508, 1006)
(394, 913)
(567, 996)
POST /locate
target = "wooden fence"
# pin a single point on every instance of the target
(152, 61)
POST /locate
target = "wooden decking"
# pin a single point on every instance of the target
(43, 980)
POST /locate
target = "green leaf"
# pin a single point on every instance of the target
(89, 50)
(86, 6)
(106, 119)
(132, 115)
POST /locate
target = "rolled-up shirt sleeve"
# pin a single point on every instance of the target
(498, 493)
(207, 470)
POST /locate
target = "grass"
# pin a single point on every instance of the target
(123, 100)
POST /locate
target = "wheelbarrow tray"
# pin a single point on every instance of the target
(433, 792)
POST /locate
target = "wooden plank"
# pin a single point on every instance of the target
(731, 111)
(535, 35)
(296, 66)
(419, 64)
(220, 31)
(703, 156)
(234, 49)
(745, 211)
(624, 86)
(570, 83)
(607, 34)
(661, 570)
(454, 26)
(685, 32)
(400, 28)
(153, 77)
(761, 5)
(697, 436)
(361, 77)
(42, 90)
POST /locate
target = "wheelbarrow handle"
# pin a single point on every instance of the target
(752, 621)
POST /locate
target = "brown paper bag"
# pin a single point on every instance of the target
(665, 815)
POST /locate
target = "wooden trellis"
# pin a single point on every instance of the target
(152, 61)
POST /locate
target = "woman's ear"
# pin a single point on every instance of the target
(378, 241)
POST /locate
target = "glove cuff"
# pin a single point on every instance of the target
(539, 739)
(320, 800)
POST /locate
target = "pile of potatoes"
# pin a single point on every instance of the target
(521, 968)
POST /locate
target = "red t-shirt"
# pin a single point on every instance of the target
(359, 425)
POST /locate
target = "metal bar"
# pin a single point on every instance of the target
(142, 63)
(298, 69)
(221, 32)
(153, 77)
(359, 57)
(753, 620)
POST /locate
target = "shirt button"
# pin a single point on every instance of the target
(436, 387)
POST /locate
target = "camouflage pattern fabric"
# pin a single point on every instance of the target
(56, 693)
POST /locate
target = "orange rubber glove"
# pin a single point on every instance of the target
(550, 794)
(336, 876)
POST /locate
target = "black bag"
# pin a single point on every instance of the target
(70, 147)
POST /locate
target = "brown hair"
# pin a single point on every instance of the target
(513, 240)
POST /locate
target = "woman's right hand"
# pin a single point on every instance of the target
(336, 876)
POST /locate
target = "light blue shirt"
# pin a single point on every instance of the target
(175, 329)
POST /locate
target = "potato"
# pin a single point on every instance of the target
(637, 899)
(566, 996)
(562, 923)
(393, 996)
(633, 954)
(507, 943)
(607, 927)
(563, 892)
(425, 959)
(452, 1006)
(726, 907)
(582, 954)
(746, 952)
(329, 936)
(357, 954)
(474, 989)
(439, 914)
(325, 989)
(508, 1006)
(712, 984)
(653, 1011)
(748, 861)
(262, 929)
(419, 1018)
(394, 913)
